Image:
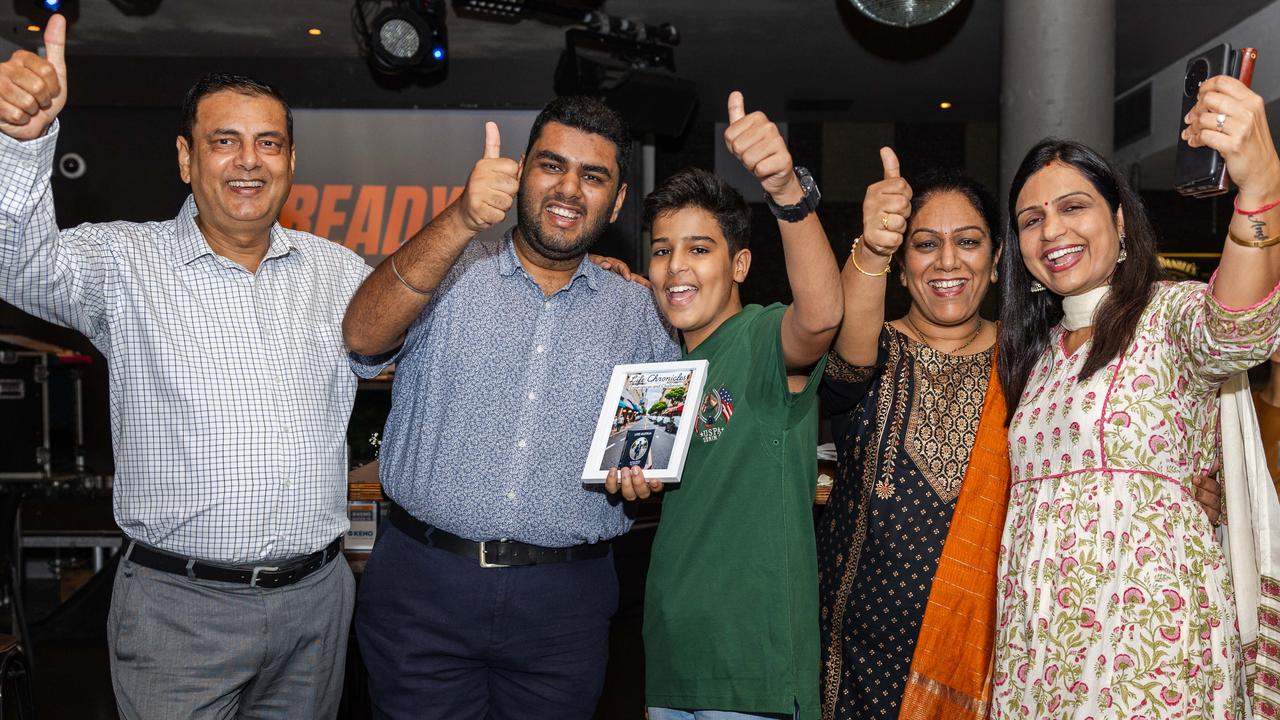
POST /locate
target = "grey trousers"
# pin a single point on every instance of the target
(183, 648)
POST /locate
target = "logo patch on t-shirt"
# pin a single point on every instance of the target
(714, 414)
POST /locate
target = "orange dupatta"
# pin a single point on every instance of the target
(950, 676)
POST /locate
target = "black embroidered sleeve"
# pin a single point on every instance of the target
(840, 370)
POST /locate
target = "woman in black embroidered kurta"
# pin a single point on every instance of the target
(906, 402)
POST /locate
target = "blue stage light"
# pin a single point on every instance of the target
(51, 5)
(438, 53)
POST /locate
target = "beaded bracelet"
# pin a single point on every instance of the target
(853, 258)
(1254, 243)
(1259, 211)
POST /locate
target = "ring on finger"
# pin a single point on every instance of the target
(1220, 121)
(884, 221)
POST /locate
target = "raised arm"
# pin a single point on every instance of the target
(59, 277)
(811, 322)
(396, 292)
(1231, 118)
(885, 210)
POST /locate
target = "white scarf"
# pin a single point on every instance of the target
(1078, 310)
(1251, 540)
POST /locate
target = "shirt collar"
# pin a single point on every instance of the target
(509, 263)
(189, 243)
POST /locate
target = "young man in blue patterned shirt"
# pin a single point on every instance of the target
(490, 594)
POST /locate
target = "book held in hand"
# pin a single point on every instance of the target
(647, 420)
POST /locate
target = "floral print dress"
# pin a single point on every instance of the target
(1114, 599)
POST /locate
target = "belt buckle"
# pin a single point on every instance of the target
(253, 580)
(484, 545)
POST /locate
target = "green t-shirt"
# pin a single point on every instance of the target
(731, 605)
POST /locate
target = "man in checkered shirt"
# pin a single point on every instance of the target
(230, 394)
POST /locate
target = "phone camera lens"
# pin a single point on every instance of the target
(1196, 74)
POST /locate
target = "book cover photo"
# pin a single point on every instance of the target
(645, 420)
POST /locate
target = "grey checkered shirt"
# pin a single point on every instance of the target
(230, 390)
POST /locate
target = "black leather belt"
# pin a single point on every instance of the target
(280, 574)
(492, 553)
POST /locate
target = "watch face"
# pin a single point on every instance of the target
(809, 186)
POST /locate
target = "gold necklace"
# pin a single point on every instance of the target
(925, 338)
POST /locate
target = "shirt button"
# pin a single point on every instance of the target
(540, 348)
(521, 444)
(287, 483)
(533, 395)
(511, 496)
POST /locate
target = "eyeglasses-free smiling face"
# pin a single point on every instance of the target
(948, 259)
(1068, 235)
(239, 162)
(694, 277)
(569, 191)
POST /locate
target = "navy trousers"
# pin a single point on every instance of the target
(443, 637)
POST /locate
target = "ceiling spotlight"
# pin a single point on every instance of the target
(944, 105)
(33, 28)
(314, 32)
(409, 36)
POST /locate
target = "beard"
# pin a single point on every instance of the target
(553, 244)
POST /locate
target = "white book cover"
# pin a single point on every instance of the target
(647, 420)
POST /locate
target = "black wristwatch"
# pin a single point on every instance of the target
(807, 204)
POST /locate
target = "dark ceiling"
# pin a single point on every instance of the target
(802, 55)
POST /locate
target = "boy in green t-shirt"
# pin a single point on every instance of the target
(731, 604)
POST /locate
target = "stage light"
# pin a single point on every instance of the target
(314, 32)
(635, 77)
(944, 105)
(51, 5)
(33, 28)
(409, 36)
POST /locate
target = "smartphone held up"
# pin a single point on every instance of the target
(1201, 172)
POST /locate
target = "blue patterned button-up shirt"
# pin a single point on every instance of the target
(230, 390)
(496, 396)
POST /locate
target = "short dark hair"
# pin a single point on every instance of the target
(590, 116)
(217, 82)
(696, 188)
(1026, 318)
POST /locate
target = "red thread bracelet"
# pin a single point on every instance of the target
(1259, 211)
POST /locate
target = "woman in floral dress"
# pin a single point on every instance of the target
(1114, 599)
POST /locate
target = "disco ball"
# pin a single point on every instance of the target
(904, 13)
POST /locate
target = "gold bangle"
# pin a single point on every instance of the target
(853, 258)
(1275, 239)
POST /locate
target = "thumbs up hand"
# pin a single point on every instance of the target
(758, 145)
(33, 89)
(885, 208)
(492, 186)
